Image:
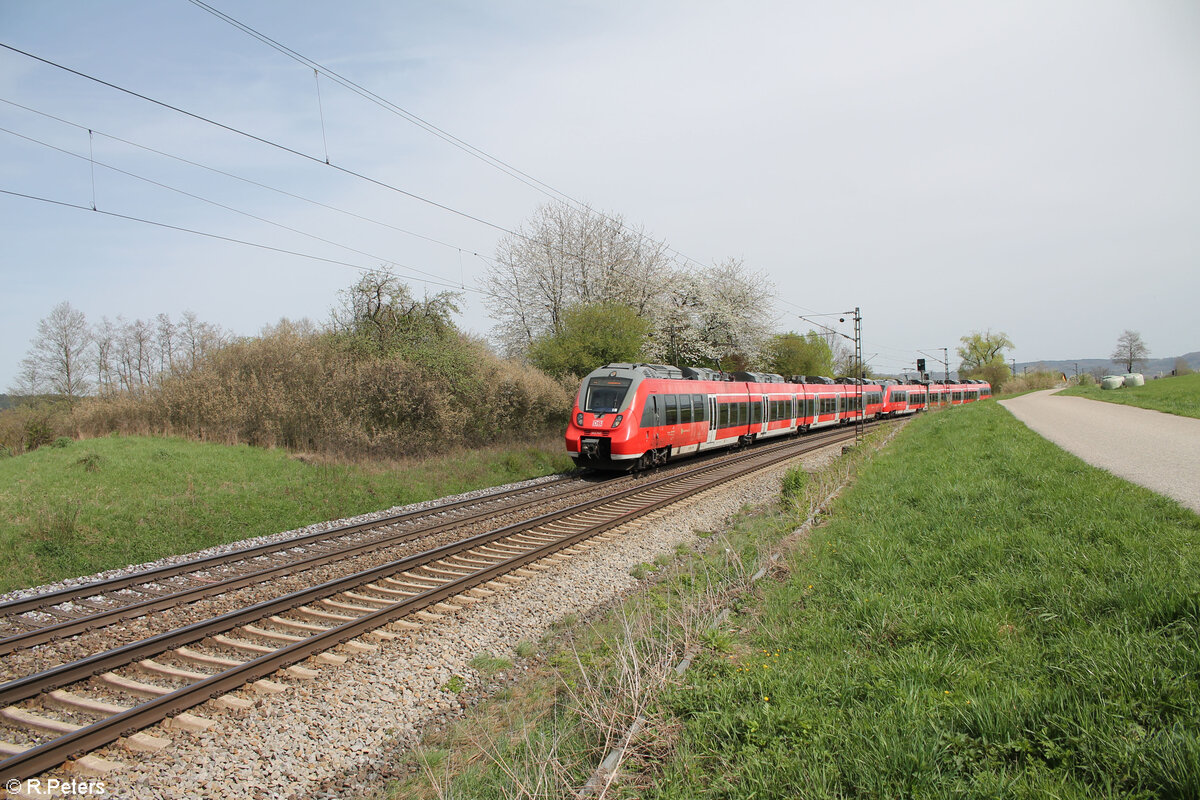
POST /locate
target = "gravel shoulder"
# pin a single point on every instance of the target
(1158, 451)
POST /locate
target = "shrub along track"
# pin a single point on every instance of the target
(208, 659)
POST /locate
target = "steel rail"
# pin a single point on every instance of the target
(49, 754)
(40, 601)
(55, 677)
(163, 601)
(160, 601)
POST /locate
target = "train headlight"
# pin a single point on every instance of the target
(579, 419)
(617, 421)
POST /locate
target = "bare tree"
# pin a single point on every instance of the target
(165, 339)
(59, 357)
(196, 339)
(134, 354)
(105, 335)
(565, 257)
(1130, 351)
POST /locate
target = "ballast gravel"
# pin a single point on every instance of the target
(328, 737)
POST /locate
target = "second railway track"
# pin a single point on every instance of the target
(191, 664)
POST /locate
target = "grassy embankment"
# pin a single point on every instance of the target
(103, 503)
(983, 615)
(1178, 395)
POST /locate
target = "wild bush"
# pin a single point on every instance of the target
(32, 424)
(1033, 381)
(302, 389)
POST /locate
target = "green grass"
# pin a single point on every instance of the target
(96, 504)
(983, 616)
(1179, 395)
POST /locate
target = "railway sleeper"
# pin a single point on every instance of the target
(441, 570)
(156, 668)
(420, 587)
(134, 687)
(477, 562)
(352, 607)
(274, 636)
(10, 749)
(506, 552)
(201, 658)
(378, 602)
(532, 537)
(316, 613)
(241, 644)
(37, 721)
(375, 587)
(65, 698)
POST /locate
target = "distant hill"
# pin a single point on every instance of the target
(1152, 367)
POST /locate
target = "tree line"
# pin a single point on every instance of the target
(983, 356)
(574, 288)
(388, 374)
(70, 358)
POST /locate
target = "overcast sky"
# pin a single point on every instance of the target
(1028, 167)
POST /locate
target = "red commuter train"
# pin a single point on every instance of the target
(632, 416)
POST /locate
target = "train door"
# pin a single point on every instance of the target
(763, 416)
(652, 418)
(712, 419)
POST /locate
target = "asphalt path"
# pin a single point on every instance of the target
(1156, 450)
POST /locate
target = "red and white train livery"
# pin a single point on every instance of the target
(630, 416)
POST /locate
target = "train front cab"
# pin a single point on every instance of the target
(599, 430)
(637, 415)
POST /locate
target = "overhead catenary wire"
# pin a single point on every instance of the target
(242, 178)
(217, 204)
(262, 140)
(258, 245)
(293, 151)
(429, 127)
(318, 70)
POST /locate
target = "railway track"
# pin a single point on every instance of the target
(30, 621)
(80, 706)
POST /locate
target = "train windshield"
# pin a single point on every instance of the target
(605, 395)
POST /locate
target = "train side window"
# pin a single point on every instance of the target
(672, 410)
(698, 404)
(756, 412)
(685, 409)
(723, 415)
(650, 412)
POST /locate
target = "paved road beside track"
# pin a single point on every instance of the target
(1156, 450)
